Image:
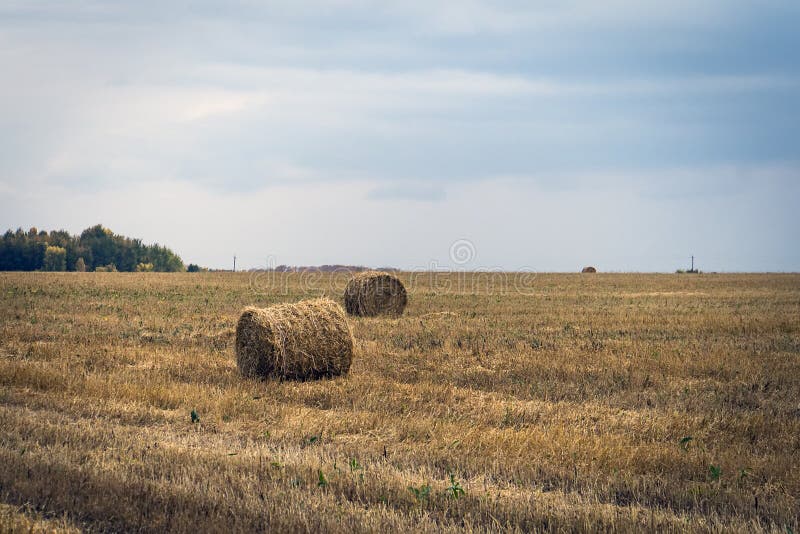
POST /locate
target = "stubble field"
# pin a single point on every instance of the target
(586, 402)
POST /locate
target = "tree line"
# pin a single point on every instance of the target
(96, 249)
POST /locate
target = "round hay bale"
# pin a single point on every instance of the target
(589, 269)
(307, 340)
(374, 293)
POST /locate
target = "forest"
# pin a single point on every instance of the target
(95, 249)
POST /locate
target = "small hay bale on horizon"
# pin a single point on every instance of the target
(588, 269)
(374, 293)
(303, 341)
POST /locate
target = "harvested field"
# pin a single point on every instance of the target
(610, 402)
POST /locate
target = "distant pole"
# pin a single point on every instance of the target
(234, 263)
(692, 263)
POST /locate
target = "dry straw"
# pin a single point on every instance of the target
(374, 293)
(589, 269)
(307, 340)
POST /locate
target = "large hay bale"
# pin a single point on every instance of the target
(374, 293)
(307, 340)
(589, 269)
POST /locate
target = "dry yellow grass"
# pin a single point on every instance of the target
(561, 410)
(21, 519)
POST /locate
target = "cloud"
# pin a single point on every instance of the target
(244, 127)
(411, 192)
(512, 224)
(574, 124)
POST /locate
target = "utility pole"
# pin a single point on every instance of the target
(234, 263)
(692, 265)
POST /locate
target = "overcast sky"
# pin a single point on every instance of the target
(549, 135)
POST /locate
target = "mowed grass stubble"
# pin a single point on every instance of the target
(615, 402)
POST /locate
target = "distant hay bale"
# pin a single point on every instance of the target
(374, 293)
(589, 269)
(307, 340)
